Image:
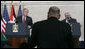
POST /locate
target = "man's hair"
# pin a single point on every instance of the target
(54, 10)
(67, 13)
(25, 9)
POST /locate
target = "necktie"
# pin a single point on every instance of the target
(24, 20)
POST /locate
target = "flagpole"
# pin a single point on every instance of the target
(20, 2)
(18, 8)
(4, 2)
(12, 3)
(3, 6)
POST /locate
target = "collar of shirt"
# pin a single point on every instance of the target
(67, 21)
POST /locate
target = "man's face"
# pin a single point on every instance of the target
(67, 16)
(25, 12)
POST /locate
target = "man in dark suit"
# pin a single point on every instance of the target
(51, 33)
(25, 19)
(73, 22)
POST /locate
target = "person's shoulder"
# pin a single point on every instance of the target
(40, 22)
(64, 24)
(63, 20)
(29, 17)
(73, 18)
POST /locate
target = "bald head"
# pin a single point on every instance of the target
(54, 12)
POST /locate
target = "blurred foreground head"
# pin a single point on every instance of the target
(54, 12)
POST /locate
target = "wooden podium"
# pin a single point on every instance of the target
(16, 38)
(15, 42)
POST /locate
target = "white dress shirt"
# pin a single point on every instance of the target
(67, 21)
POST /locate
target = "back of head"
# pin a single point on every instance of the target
(53, 11)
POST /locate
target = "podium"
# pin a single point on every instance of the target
(16, 38)
(76, 30)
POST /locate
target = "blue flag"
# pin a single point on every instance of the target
(5, 14)
(20, 11)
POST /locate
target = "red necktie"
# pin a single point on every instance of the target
(24, 20)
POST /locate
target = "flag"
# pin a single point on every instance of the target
(3, 38)
(4, 20)
(12, 16)
(19, 11)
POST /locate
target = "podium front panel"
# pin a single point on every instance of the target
(23, 30)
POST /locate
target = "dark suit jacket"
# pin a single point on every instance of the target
(72, 20)
(51, 33)
(27, 22)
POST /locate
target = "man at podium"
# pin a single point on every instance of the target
(24, 18)
(22, 21)
(75, 28)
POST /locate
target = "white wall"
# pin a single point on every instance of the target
(38, 10)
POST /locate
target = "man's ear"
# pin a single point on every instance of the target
(48, 15)
(58, 16)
